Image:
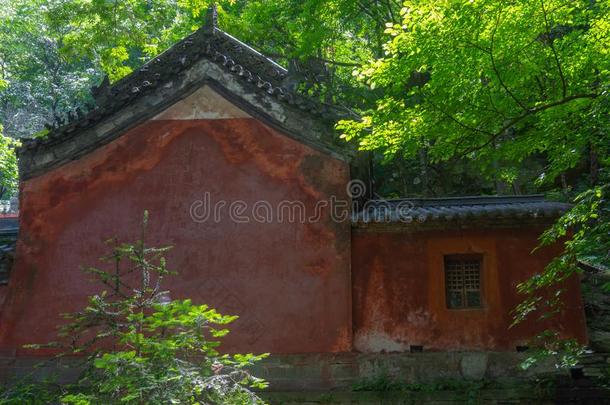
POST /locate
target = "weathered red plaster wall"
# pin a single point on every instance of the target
(399, 292)
(289, 282)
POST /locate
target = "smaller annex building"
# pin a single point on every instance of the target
(249, 184)
(442, 274)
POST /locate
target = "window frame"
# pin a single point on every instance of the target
(464, 257)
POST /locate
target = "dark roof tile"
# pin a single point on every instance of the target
(243, 61)
(421, 210)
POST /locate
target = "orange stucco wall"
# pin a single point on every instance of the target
(288, 282)
(399, 291)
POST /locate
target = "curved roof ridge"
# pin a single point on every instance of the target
(221, 47)
(245, 64)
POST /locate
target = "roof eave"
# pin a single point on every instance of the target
(188, 65)
(455, 224)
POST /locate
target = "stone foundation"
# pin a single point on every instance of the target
(333, 372)
(326, 372)
(400, 378)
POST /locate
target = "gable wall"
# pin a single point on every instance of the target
(288, 282)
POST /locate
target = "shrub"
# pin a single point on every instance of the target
(141, 347)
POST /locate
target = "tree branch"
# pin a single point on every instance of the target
(477, 46)
(564, 87)
(338, 63)
(528, 113)
(493, 105)
(390, 11)
(460, 123)
(363, 8)
(541, 88)
(495, 68)
(324, 60)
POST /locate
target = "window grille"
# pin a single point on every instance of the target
(463, 281)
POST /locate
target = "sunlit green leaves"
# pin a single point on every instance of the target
(8, 166)
(507, 80)
(40, 81)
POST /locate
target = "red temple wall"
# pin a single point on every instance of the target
(298, 287)
(399, 291)
(289, 282)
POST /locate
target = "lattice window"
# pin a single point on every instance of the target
(463, 281)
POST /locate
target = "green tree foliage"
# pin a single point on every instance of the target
(52, 51)
(492, 81)
(141, 347)
(321, 40)
(8, 166)
(41, 81)
(8, 162)
(120, 35)
(585, 231)
(501, 84)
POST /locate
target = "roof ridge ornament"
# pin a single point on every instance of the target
(211, 18)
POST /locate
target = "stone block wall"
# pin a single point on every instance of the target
(353, 378)
(327, 372)
(597, 306)
(332, 372)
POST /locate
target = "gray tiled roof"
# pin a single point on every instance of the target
(244, 62)
(420, 210)
(208, 57)
(9, 227)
